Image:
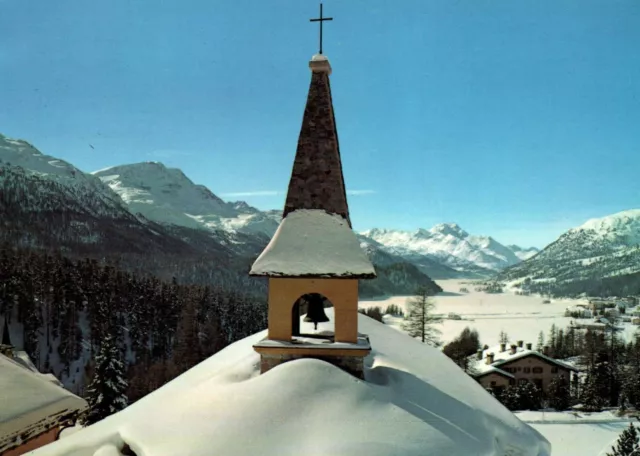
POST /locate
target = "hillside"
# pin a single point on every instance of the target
(153, 219)
(167, 196)
(601, 249)
(414, 401)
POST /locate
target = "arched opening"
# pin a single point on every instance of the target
(308, 318)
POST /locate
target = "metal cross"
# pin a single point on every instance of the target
(321, 20)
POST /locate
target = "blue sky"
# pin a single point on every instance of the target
(513, 119)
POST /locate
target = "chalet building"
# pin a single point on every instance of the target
(501, 366)
(34, 407)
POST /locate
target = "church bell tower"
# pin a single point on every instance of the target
(314, 259)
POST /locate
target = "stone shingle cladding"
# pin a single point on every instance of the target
(317, 181)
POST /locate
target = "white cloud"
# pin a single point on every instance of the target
(360, 192)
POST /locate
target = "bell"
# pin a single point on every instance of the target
(315, 310)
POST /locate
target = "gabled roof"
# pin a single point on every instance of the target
(502, 359)
(317, 181)
(494, 370)
(313, 243)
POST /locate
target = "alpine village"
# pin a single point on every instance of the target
(285, 331)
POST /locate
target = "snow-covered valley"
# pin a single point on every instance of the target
(521, 317)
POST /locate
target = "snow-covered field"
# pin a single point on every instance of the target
(577, 434)
(521, 317)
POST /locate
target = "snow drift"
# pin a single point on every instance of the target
(415, 401)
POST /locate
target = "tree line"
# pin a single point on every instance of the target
(65, 309)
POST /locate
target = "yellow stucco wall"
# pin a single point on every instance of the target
(528, 363)
(498, 380)
(343, 294)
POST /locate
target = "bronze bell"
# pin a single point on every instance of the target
(315, 310)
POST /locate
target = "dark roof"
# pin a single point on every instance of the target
(317, 181)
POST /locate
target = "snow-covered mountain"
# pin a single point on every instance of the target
(47, 202)
(600, 248)
(19, 158)
(523, 253)
(449, 245)
(167, 196)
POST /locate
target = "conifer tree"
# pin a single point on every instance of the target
(503, 337)
(559, 393)
(540, 344)
(591, 400)
(107, 393)
(186, 346)
(420, 320)
(628, 444)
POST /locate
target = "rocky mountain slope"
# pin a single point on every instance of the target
(148, 218)
(600, 248)
(167, 196)
(447, 244)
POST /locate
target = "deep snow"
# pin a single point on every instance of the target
(414, 401)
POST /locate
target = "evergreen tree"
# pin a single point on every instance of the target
(540, 344)
(559, 393)
(463, 346)
(503, 337)
(186, 347)
(420, 320)
(530, 396)
(107, 393)
(591, 400)
(628, 443)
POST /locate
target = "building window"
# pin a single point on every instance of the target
(527, 370)
(537, 370)
(519, 369)
(512, 381)
(554, 369)
(522, 381)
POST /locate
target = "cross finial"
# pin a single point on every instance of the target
(321, 20)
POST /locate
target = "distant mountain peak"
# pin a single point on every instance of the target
(452, 229)
(167, 196)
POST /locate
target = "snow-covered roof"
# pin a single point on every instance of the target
(481, 368)
(490, 369)
(312, 242)
(29, 401)
(415, 401)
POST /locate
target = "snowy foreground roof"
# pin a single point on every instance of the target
(312, 242)
(415, 401)
(30, 402)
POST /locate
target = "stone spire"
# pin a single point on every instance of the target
(316, 180)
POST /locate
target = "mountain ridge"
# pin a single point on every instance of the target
(600, 248)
